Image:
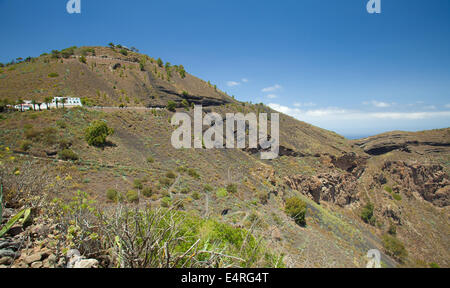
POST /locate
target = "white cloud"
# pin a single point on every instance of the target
(271, 88)
(447, 106)
(307, 104)
(344, 114)
(233, 83)
(430, 107)
(272, 96)
(244, 80)
(378, 104)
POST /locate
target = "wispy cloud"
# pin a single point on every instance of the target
(244, 80)
(307, 104)
(378, 104)
(447, 106)
(272, 96)
(233, 83)
(271, 88)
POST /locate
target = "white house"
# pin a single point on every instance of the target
(70, 102)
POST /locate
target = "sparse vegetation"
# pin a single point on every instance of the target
(394, 247)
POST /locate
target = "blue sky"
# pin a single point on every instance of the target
(326, 62)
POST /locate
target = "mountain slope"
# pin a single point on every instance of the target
(408, 188)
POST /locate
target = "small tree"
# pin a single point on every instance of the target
(97, 132)
(296, 209)
(83, 60)
(171, 106)
(160, 62)
(47, 102)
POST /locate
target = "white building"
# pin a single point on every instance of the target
(69, 102)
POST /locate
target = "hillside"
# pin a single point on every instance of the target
(405, 176)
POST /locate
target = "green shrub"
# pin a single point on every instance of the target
(221, 193)
(193, 173)
(296, 209)
(68, 154)
(208, 188)
(147, 192)
(171, 106)
(367, 214)
(165, 181)
(232, 188)
(123, 52)
(137, 184)
(53, 75)
(166, 202)
(112, 195)
(160, 62)
(171, 175)
(388, 189)
(83, 60)
(392, 230)
(195, 195)
(434, 265)
(132, 196)
(397, 196)
(97, 132)
(394, 247)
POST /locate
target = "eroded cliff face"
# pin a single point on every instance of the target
(431, 182)
(336, 188)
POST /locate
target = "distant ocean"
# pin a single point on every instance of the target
(355, 137)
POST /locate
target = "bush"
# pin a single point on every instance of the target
(221, 193)
(232, 188)
(388, 189)
(171, 175)
(112, 195)
(53, 75)
(434, 265)
(397, 196)
(160, 62)
(196, 195)
(123, 52)
(137, 183)
(394, 247)
(147, 192)
(83, 60)
(171, 106)
(296, 209)
(97, 132)
(208, 188)
(367, 214)
(132, 196)
(68, 154)
(165, 181)
(193, 173)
